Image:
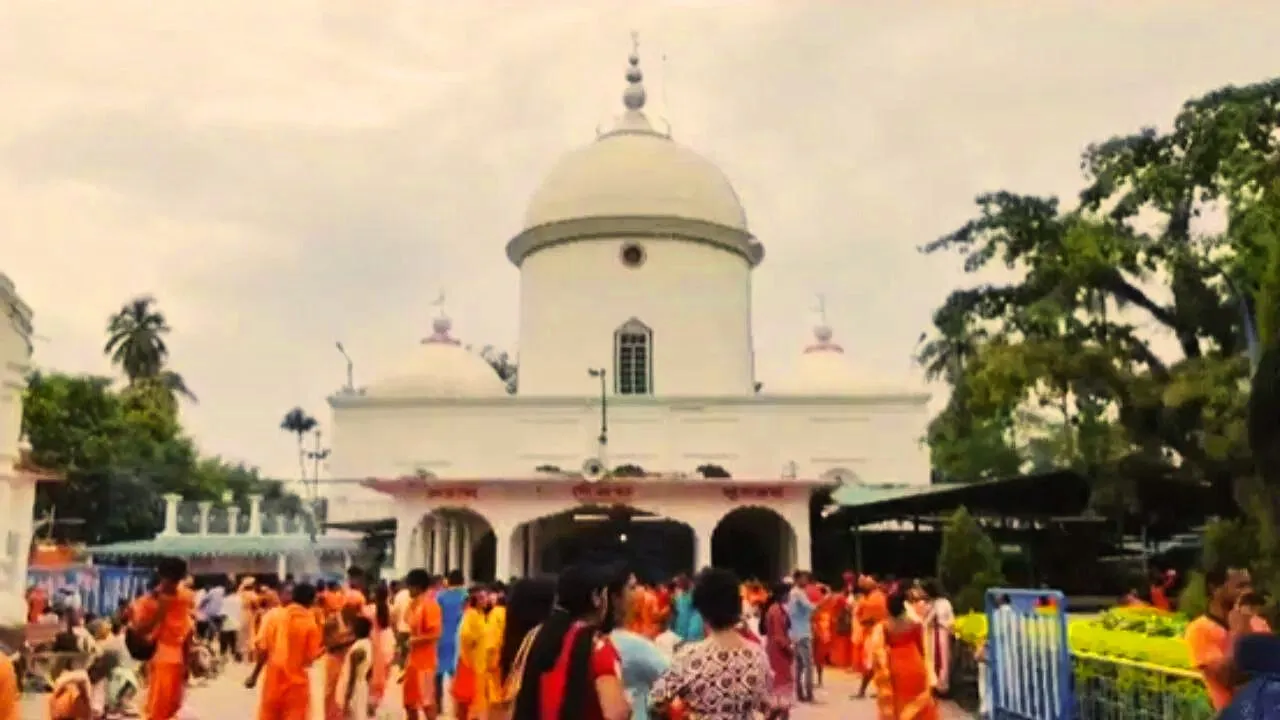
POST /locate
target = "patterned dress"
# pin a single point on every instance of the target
(715, 682)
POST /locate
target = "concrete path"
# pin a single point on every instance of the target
(226, 698)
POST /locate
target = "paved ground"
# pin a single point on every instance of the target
(226, 698)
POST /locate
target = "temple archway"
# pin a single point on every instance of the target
(755, 543)
(655, 548)
(448, 539)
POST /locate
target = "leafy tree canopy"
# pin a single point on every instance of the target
(1078, 336)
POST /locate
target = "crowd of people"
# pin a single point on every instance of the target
(593, 643)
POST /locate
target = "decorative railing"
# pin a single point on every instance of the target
(276, 518)
(1111, 688)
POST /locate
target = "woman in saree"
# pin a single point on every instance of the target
(898, 667)
(940, 625)
(495, 627)
(383, 641)
(467, 689)
(780, 651)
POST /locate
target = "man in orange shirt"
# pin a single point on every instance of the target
(425, 623)
(166, 618)
(289, 642)
(1211, 637)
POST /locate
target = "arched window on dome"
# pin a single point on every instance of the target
(633, 359)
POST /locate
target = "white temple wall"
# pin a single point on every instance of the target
(696, 299)
(17, 496)
(868, 440)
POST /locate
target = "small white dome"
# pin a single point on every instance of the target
(441, 368)
(634, 171)
(824, 369)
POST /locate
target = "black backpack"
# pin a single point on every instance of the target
(140, 647)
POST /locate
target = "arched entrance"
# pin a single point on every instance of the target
(655, 548)
(450, 539)
(755, 543)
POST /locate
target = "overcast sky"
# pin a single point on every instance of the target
(284, 174)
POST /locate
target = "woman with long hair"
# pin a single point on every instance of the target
(383, 642)
(573, 670)
(780, 651)
(725, 675)
(528, 606)
(898, 667)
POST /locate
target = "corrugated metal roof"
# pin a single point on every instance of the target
(228, 545)
(856, 495)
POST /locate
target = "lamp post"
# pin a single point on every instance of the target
(351, 387)
(316, 455)
(604, 404)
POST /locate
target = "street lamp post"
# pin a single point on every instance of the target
(604, 404)
(351, 386)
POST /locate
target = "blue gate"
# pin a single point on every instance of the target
(1028, 658)
(101, 587)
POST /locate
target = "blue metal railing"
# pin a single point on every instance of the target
(101, 587)
(1028, 657)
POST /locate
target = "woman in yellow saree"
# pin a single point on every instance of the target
(899, 671)
(468, 690)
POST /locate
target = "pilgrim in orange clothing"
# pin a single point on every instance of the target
(9, 694)
(425, 624)
(824, 626)
(342, 606)
(166, 617)
(289, 642)
(841, 653)
(37, 603)
(870, 613)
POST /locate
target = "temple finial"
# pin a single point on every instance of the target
(820, 307)
(634, 96)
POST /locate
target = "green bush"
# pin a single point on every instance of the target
(968, 562)
(1194, 598)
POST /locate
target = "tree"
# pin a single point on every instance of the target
(628, 471)
(118, 457)
(968, 562)
(136, 344)
(501, 362)
(299, 423)
(711, 470)
(1068, 332)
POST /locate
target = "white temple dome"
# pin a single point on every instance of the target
(824, 369)
(441, 368)
(635, 171)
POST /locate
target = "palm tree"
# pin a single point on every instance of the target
(135, 339)
(298, 422)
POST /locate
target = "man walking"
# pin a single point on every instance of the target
(800, 611)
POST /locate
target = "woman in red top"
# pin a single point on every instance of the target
(573, 671)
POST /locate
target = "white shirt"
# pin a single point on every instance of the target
(400, 610)
(232, 609)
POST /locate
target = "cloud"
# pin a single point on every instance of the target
(282, 175)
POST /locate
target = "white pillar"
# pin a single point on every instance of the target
(437, 545)
(255, 514)
(282, 565)
(502, 552)
(464, 545)
(406, 532)
(451, 547)
(533, 548)
(171, 501)
(205, 506)
(702, 533)
(233, 520)
(803, 552)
